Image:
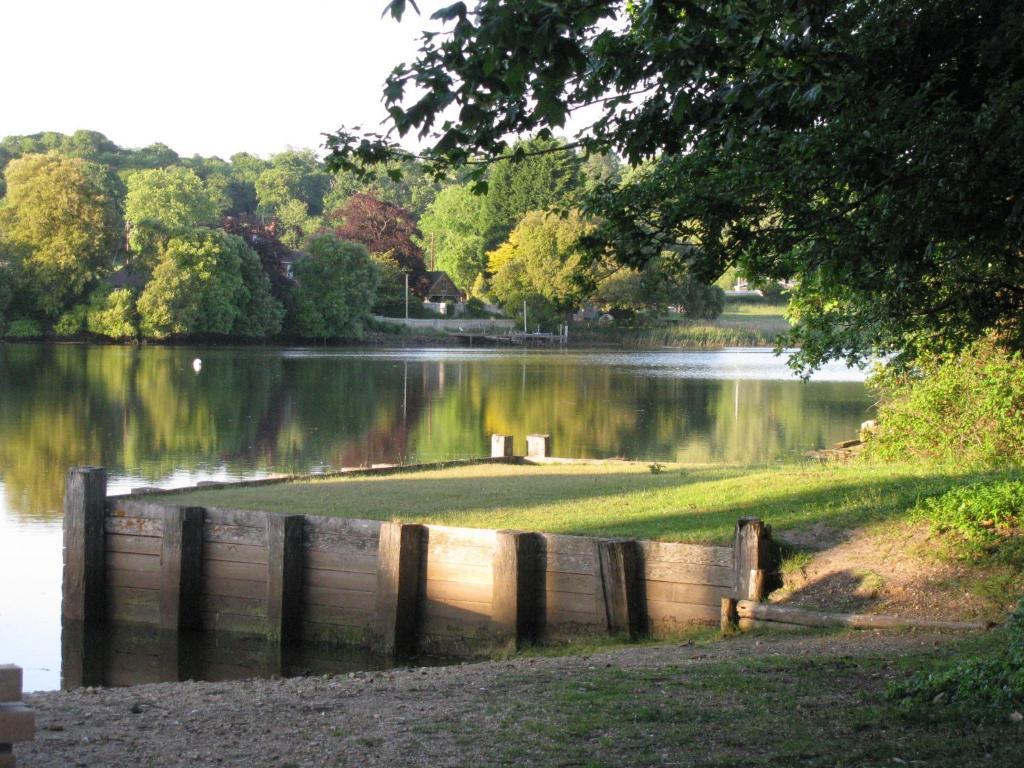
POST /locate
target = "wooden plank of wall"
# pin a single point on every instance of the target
(687, 573)
(359, 561)
(133, 526)
(666, 617)
(695, 594)
(457, 592)
(670, 552)
(235, 553)
(133, 545)
(132, 604)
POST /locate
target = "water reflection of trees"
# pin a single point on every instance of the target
(144, 411)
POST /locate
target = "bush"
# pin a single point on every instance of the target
(967, 408)
(983, 688)
(71, 322)
(113, 314)
(983, 514)
(475, 310)
(24, 328)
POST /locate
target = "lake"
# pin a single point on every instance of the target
(150, 418)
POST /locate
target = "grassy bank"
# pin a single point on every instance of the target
(675, 503)
(741, 324)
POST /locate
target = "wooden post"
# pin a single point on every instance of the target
(85, 498)
(538, 446)
(285, 555)
(730, 618)
(81, 655)
(501, 446)
(399, 554)
(516, 587)
(750, 554)
(17, 721)
(181, 568)
(623, 590)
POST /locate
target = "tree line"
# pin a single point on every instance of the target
(130, 243)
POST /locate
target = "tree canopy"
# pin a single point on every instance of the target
(165, 201)
(336, 288)
(872, 150)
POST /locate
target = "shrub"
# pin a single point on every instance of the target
(24, 328)
(71, 322)
(988, 687)
(113, 314)
(967, 409)
(983, 514)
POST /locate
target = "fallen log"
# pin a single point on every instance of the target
(766, 612)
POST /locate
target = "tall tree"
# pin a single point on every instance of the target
(60, 226)
(292, 175)
(384, 229)
(533, 176)
(454, 228)
(871, 149)
(337, 283)
(165, 201)
(208, 281)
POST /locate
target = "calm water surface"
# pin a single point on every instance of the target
(150, 419)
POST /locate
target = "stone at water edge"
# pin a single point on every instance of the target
(1016, 717)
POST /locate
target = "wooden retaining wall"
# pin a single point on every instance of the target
(395, 587)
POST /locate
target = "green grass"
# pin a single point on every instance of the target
(741, 324)
(679, 503)
(758, 711)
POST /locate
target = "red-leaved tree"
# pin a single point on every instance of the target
(384, 228)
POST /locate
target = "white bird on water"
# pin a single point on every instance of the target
(197, 365)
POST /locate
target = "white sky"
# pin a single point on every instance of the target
(213, 77)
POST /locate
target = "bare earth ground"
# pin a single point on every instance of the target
(880, 571)
(499, 713)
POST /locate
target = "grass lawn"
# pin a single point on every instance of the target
(764, 710)
(678, 503)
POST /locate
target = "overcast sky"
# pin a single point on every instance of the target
(212, 77)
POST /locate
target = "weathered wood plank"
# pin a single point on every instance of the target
(458, 590)
(401, 549)
(235, 553)
(84, 545)
(242, 606)
(181, 561)
(751, 609)
(242, 518)
(222, 621)
(620, 577)
(342, 546)
(516, 586)
(133, 526)
(698, 594)
(340, 527)
(138, 509)
(664, 615)
(669, 552)
(342, 598)
(134, 579)
(133, 545)
(228, 569)
(337, 615)
(475, 574)
(126, 561)
(557, 543)
(582, 584)
(285, 555)
(452, 617)
(560, 562)
(10, 682)
(362, 582)
(234, 534)
(133, 604)
(235, 587)
(571, 601)
(446, 536)
(346, 563)
(684, 573)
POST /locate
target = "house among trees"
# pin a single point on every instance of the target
(442, 288)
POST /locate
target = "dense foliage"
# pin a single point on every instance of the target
(874, 151)
(964, 409)
(337, 282)
(987, 687)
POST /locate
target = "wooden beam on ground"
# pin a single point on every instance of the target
(84, 551)
(285, 555)
(401, 549)
(621, 581)
(749, 609)
(181, 568)
(516, 586)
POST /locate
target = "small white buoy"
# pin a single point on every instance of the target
(197, 365)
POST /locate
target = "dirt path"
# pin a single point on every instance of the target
(450, 716)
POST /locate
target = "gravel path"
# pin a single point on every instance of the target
(442, 716)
